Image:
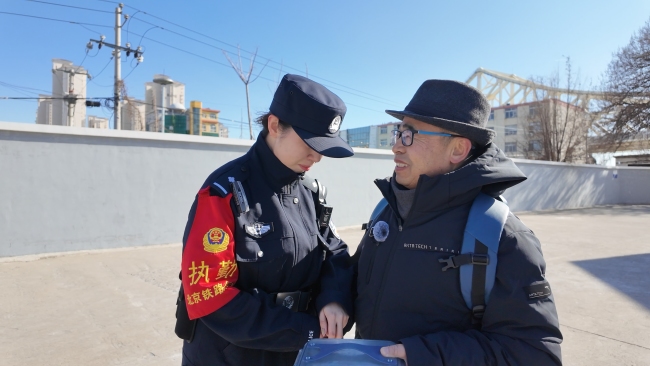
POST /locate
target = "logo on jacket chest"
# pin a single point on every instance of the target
(429, 248)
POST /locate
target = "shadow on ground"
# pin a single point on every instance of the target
(627, 274)
(618, 210)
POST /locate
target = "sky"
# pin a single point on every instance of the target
(373, 54)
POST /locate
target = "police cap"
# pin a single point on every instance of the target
(314, 112)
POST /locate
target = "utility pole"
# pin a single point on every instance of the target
(71, 98)
(118, 68)
(117, 55)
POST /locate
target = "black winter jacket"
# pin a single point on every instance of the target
(250, 329)
(404, 296)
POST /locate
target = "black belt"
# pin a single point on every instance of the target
(294, 301)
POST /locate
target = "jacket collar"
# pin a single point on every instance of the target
(276, 174)
(491, 172)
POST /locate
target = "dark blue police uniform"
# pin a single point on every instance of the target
(258, 264)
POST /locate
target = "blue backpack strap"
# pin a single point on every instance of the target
(381, 205)
(480, 247)
(482, 235)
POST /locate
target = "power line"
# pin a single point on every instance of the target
(21, 87)
(194, 54)
(54, 98)
(132, 68)
(70, 6)
(249, 52)
(91, 30)
(105, 66)
(54, 20)
(185, 51)
(128, 26)
(262, 77)
(18, 90)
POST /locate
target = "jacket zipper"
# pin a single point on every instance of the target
(374, 254)
(372, 263)
(383, 280)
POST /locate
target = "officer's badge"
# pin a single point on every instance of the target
(380, 231)
(335, 125)
(258, 229)
(216, 240)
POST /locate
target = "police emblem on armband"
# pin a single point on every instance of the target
(216, 240)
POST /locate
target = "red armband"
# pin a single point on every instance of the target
(209, 266)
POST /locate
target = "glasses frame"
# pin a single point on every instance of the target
(398, 134)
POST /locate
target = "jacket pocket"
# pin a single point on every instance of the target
(262, 262)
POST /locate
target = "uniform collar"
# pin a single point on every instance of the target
(275, 173)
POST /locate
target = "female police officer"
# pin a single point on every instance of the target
(263, 269)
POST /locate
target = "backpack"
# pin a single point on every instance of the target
(478, 257)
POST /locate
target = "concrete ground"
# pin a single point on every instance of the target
(116, 307)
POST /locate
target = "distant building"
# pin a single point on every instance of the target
(520, 133)
(44, 111)
(632, 150)
(176, 123)
(133, 115)
(511, 123)
(154, 101)
(66, 106)
(374, 137)
(639, 159)
(97, 122)
(205, 121)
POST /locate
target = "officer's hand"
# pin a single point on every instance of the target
(396, 350)
(332, 321)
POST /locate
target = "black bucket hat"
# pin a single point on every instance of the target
(452, 105)
(314, 112)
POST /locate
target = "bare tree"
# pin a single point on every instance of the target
(246, 79)
(627, 83)
(557, 128)
(136, 119)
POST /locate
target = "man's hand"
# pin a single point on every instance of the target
(332, 321)
(395, 351)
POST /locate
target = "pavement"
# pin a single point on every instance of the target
(116, 307)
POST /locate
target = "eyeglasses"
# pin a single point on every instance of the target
(407, 136)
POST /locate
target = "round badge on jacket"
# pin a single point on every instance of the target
(335, 125)
(288, 302)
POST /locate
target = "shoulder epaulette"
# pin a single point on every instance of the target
(220, 181)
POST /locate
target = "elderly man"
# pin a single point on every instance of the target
(410, 284)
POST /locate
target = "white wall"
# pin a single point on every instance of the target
(65, 188)
(560, 186)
